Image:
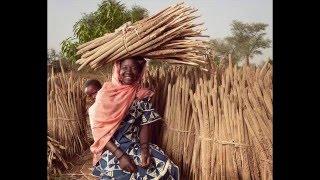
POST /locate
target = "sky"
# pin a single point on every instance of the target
(217, 16)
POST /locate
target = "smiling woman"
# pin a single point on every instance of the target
(130, 69)
(120, 120)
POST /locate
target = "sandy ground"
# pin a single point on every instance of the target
(82, 167)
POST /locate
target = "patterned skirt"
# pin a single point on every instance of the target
(161, 166)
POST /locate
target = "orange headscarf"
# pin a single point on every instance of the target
(112, 103)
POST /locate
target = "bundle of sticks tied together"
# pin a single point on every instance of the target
(165, 36)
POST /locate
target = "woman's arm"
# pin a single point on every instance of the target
(144, 134)
(144, 144)
(113, 148)
(125, 162)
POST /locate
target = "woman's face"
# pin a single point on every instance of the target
(129, 71)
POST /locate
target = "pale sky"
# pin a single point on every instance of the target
(217, 16)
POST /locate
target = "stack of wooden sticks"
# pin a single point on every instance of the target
(165, 36)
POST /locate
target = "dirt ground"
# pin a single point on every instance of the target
(81, 167)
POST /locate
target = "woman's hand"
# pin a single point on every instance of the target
(146, 159)
(144, 145)
(127, 164)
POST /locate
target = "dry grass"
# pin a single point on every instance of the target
(54, 157)
(222, 117)
(67, 122)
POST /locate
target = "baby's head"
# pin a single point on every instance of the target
(91, 88)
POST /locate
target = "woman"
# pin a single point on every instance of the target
(120, 119)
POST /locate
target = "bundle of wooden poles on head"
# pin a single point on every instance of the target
(165, 36)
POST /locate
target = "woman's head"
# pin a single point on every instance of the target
(130, 69)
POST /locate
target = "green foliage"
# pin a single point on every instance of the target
(247, 40)
(222, 48)
(110, 15)
(137, 13)
(69, 49)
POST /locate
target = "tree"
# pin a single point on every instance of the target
(222, 48)
(248, 39)
(52, 55)
(109, 16)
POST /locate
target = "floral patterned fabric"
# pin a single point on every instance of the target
(127, 139)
